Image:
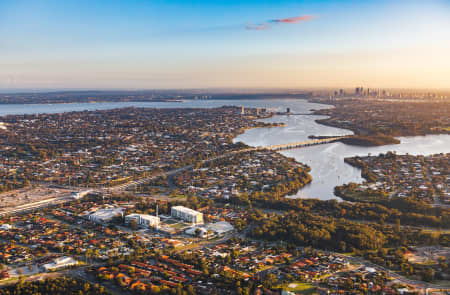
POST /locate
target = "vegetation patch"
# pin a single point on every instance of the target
(373, 140)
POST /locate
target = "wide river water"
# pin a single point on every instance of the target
(326, 161)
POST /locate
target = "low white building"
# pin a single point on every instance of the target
(60, 262)
(220, 228)
(79, 195)
(105, 215)
(143, 220)
(187, 214)
(197, 231)
(5, 226)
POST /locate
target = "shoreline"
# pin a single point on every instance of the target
(89, 102)
(359, 138)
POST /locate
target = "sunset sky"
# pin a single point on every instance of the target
(208, 44)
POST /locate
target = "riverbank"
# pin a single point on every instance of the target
(375, 140)
(96, 96)
(371, 118)
(390, 175)
(52, 102)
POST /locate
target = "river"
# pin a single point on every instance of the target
(326, 161)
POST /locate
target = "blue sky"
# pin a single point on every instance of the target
(190, 44)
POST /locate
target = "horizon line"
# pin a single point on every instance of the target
(77, 89)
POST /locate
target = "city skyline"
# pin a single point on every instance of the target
(224, 44)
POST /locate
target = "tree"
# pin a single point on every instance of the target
(190, 290)
(133, 224)
(397, 226)
(428, 274)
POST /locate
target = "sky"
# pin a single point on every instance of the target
(147, 44)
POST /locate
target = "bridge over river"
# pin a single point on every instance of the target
(300, 144)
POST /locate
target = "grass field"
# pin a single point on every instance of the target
(299, 288)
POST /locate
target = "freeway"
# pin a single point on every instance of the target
(273, 148)
(36, 205)
(124, 186)
(64, 197)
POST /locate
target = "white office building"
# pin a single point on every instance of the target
(143, 220)
(187, 214)
(59, 263)
(105, 215)
(5, 226)
(220, 228)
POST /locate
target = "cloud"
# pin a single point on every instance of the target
(258, 27)
(289, 20)
(293, 20)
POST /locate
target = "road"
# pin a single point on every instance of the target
(35, 205)
(274, 147)
(206, 243)
(65, 197)
(173, 172)
(423, 286)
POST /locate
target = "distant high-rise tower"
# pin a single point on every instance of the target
(242, 110)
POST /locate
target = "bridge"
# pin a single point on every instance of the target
(300, 144)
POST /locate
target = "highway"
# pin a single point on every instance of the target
(36, 205)
(65, 197)
(271, 147)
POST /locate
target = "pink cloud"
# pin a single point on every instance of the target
(260, 27)
(289, 20)
(293, 20)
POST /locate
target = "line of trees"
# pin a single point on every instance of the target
(410, 211)
(59, 286)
